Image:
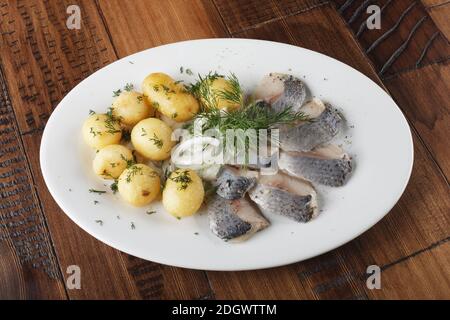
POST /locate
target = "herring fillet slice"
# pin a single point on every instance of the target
(281, 91)
(286, 196)
(232, 185)
(328, 165)
(235, 220)
(325, 125)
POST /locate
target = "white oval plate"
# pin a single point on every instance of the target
(378, 137)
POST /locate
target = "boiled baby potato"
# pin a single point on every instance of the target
(152, 138)
(139, 185)
(131, 107)
(169, 98)
(183, 194)
(100, 130)
(225, 92)
(111, 161)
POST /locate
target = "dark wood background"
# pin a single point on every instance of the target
(41, 61)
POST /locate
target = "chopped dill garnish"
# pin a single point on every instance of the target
(129, 162)
(128, 87)
(100, 222)
(157, 141)
(178, 81)
(144, 133)
(114, 187)
(113, 164)
(133, 171)
(149, 212)
(110, 122)
(133, 226)
(174, 115)
(91, 112)
(189, 72)
(182, 178)
(140, 98)
(96, 191)
(156, 87)
(181, 69)
(95, 133)
(155, 105)
(196, 233)
(167, 89)
(96, 202)
(117, 93)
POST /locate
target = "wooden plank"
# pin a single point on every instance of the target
(441, 17)
(425, 98)
(25, 244)
(434, 3)
(159, 22)
(407, 39)
(422, 276)
(342, 273)
(240, 15)
(42, 61)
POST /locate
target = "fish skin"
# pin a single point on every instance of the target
(272, 200)
(223, 221)
(281, 91)
(294, 94)
(330, 172)
(228, 223)
(232, 186)
(306, 136)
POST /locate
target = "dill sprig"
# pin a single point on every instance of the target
(210, 97)
(234, 95)
(253, 116)
(133, 171)
(128, 162)
(182, 178)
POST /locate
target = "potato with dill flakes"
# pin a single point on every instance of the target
(223, 93)
(183, 193)
(111, 161)
(100, 130)
(131, 107)
(152, 138)
(170, 97)
(139, 185)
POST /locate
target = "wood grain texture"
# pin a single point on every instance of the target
(423, 276)
(159, 22)
(434, 3)
(441, 17)
(408, 37)
(26, 249)
(424, 96)
(240, 15)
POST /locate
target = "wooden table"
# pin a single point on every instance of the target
(41, 60)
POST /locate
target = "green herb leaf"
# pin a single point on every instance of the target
(96, 191)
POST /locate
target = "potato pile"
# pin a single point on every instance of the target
(141, 114)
